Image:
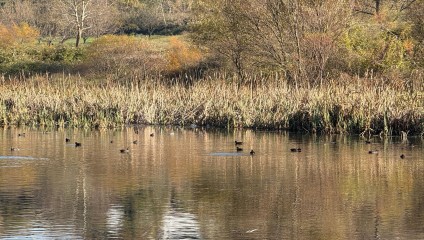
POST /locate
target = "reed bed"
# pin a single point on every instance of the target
(355, 107)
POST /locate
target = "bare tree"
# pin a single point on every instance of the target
(323, 24)
(17, 11)
(374, 7)
(295, 37)
(104, 20)
(47, 20)
(150, 20)
(82, 15)
(221, 25)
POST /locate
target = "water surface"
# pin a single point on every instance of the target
(193, 184)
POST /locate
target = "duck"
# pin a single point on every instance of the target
(67, 140)
(21, 134)
(152, 134)
(239, 149)
(77, 144)
(238, 143)
(295, 149)
(367, 142)
(402, 156)
(111, 141)
(373, 152)
(135, 141)
(125, 150)
(252, 152)
(14, 149)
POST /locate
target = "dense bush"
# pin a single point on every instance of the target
(367, 47)
(181, 56)
(24, 59)
(62, 54)
(20, 52)
(126, 56)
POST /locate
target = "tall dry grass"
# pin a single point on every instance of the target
(352, 107)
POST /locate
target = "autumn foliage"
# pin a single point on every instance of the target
(17, 34)
(181, 56)
(121, 55)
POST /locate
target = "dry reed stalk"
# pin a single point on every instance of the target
(351, 108)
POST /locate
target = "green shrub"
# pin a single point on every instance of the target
(25, 59)
(5, 57)
(62, 54)
(367, 47)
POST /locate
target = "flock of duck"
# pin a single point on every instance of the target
(237, 144)
(376, 151)
(123, 150)
(239, 149)
(127, 150)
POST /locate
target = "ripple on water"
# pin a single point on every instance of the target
(44, 230)
(20, 158)
(17, 161)
(228, 154)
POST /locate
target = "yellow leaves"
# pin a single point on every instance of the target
(17, 34)
(116, 44)
(377, 47)
(6, 37)
(121, 54)
(408, 45)
(182, 56)
(116, 40)
(25, 33)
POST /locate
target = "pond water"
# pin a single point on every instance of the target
(193, 184)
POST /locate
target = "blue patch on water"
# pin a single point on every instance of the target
(20, 158)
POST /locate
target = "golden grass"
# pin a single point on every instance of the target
(351, 108)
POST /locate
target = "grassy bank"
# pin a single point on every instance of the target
(354, 107)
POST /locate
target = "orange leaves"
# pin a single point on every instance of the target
(120, 54)
(408, 45)
(141, 56)
(181, 56)
(6, 37)
(17, 34)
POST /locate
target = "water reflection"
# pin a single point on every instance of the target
(114, 219)
(178, 224)
(193, 184)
